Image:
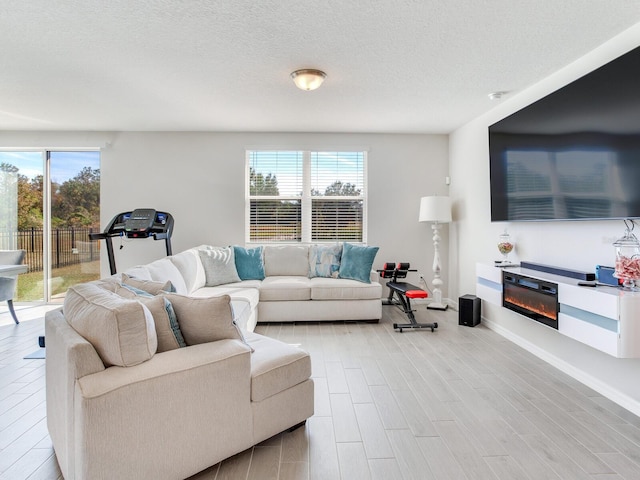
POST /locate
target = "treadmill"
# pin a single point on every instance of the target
(140, 223)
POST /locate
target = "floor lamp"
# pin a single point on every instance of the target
(437, 210)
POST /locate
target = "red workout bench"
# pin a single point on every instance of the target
(401, 293)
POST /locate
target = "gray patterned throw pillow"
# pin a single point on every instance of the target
(219, 266)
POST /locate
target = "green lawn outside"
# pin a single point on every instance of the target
(30, 286)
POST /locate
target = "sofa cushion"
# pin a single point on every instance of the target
(343, 289)
(160, 271)
(242, 285)
(249, 295)
(140, 272)
(275, 366)
(244, 315)
(280, 288)
(286, 260)
(205, 320)
(319, 311)
(150, 286)
(357, 261)
(324, 260)
(249, 263)
(121, 330)
(190, 266)
(219, 266)
(244, 301)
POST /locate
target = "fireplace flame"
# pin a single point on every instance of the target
(536, 303)
(536, 308)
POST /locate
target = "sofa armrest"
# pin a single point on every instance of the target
(171, 416)
(69, 357)
(375, 276)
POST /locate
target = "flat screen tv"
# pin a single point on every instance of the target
(574, 154)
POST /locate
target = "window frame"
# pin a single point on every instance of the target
(306, 198)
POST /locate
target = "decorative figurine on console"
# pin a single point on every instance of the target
(505, 247)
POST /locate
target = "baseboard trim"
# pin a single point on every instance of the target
(590, 381)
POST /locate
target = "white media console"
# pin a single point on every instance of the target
(605, 318)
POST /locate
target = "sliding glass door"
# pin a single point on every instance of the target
(74, 213)
(49, 203)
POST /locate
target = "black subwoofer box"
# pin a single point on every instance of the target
(468, 310)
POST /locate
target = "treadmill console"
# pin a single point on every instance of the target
(141, 223)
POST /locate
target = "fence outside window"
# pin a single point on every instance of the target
(69, 246)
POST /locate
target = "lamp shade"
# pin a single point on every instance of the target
(435, 209)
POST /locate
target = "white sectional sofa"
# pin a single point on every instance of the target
(287, 293)
(143, 383)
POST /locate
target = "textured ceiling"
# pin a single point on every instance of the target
(409, 66)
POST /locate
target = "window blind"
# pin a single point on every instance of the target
(304, 196)
(337, 191)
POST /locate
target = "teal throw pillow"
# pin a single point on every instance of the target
(249, 263)
(356, 262)
(324, 260)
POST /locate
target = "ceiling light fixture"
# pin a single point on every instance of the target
(308, 78)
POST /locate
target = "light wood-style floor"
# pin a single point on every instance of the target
(459, 403)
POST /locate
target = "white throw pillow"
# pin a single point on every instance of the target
(163, 270)
(190, 266)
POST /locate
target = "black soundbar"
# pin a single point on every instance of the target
(563, 272)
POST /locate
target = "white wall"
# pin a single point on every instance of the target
(199, 179)
(576, 245)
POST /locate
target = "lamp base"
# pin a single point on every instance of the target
(437, 306)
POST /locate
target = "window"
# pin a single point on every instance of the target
(49, 204)
(303, 196)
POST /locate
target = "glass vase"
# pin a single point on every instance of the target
(627, 261)
(505, 246)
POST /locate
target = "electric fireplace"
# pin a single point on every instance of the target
(531, 297)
